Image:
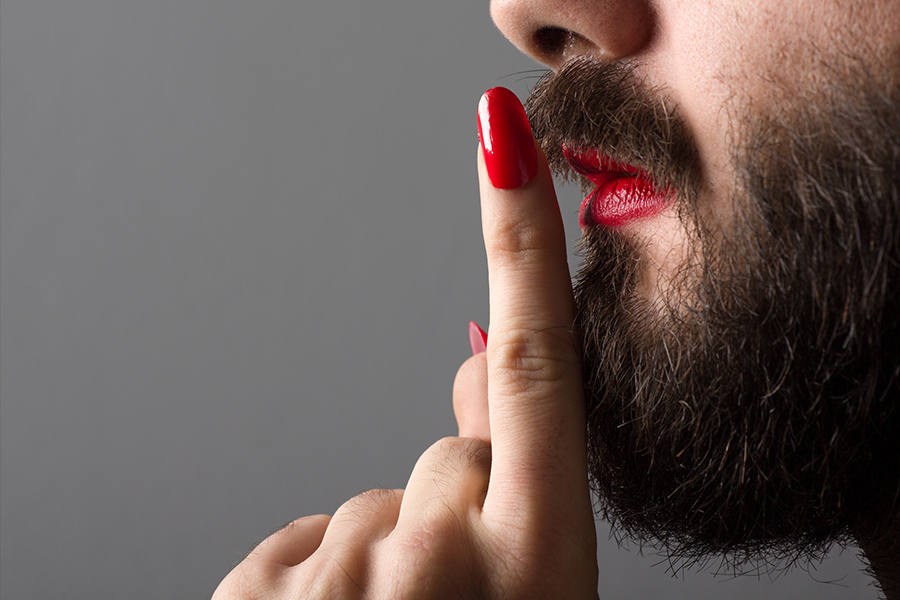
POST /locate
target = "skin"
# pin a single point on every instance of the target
(521, 425)
(712, 58)
(519, 406)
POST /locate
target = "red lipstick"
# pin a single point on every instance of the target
(623, 194)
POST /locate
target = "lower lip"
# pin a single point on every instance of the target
(620, 201)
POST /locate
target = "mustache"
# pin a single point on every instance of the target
(605, 107)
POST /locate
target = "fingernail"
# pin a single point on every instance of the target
(477, 338)
(506, 139)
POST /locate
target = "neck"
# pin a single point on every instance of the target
(882, 551)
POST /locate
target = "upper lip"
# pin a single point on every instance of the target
(598, 168)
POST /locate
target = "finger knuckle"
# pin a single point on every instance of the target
(431, 537)
(307, 521)
(434, 556)
(454, 471)
(457, 454)
(525, 359)
(518, 240)
(363, 506)
(376, 498)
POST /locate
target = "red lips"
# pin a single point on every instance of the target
(623, 194)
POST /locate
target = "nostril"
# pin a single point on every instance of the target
(552, 41)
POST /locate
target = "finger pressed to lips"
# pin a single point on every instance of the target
(504, 511)
(534, 377)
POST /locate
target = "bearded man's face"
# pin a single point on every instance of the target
(742, 335)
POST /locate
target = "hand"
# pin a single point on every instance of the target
(503, 510)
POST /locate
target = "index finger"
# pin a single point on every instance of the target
(534, 374)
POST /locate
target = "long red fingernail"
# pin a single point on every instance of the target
(506, 139)
(477, 338)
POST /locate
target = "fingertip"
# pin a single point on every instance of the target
(506, 139)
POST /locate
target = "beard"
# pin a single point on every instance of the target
(754, 409)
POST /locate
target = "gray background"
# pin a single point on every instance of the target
(240, 246)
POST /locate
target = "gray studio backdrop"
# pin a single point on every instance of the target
(240, 247)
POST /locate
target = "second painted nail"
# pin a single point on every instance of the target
(477, 338)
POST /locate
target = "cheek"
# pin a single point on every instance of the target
(715, 59)
(698, 60)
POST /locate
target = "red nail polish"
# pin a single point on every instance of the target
(506, 139)
(477, 338)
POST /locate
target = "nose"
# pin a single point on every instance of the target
(554, 31)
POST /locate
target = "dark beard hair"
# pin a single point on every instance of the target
(754, 414)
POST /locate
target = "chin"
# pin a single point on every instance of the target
(752, 408)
